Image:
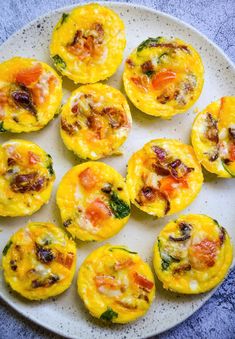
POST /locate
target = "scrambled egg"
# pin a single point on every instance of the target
(95, 121)
(30, 95)
(213, 137)
(39, 261)
(93, 201)
(163, 177)
(163, 77)
(192, 254)
(115, 284)
(88, 43)
(26, 178)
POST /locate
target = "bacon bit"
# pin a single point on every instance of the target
(27, 182)
(178, 169)
(182, 269)
(212, 132)
(147, 66)
(65, 260)
(160, 153)
(143, 281)
(11, 162)
(203, 254)
(130, 63)
(105, 280)
(70, 128)
(232, 152)
(124, 264)
(87, 179)
(222, 236)
(161, 170)
(95, 124)
(29, 75)
(33, 158)
(97, 212)
(126, 305)
(149, 194)
(231, 130)
(163, 78)
(171, 45)
(117, 118)
(141, 82)
(169, 185)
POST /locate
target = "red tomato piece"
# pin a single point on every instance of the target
(65, 260)
(203, 254)
(163, 78)
(87, 179)
(29, 75)
(33, 158)
(143, 282)
(232, 152)
(169, 185)
(97, 212)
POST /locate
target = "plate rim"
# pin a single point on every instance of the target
(178, 21)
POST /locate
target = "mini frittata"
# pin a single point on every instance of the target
(39, 261)
(163, 177)
(93, 201)
(26, 178)
(95, 121)
(30, 95)
(192, 254)
(163, 77)
(213, 137)
(115, 284)
(88, 43)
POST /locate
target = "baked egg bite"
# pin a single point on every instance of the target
(213, 137)
(163, 177)
(163, 77)
(26, 178)
(93, 201)
(95, 121)
(192, 254)
(39, 261)
(30, 95)
(88, 43)
(115, 284)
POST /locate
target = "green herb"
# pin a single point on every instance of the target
(150, 42)
(122, 249)
(2, 129)
(50, 165)
(167, 259)
(161, 57)
(6, 248)
(227, 169)
(119, 207)
(59, 62)
(149, 73)
(64, 18)
(109, 315)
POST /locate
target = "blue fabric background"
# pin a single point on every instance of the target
(214, 18)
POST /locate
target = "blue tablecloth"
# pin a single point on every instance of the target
(214, 18)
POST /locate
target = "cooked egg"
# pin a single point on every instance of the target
(93, 201)
(39, 261)
(192, 254)
(163, 177)
(30, 95)
(88, 43)
(26, 178)
(163, 77)
(213, 137)
(115, 284)
(95, 121)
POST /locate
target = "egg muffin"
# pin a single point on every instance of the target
(39, 261)
(192, 254)
(26, 178)
(93, 201)
(88, 43)
(95, 121)
(163, 177)
(163, 77)
(213, 137)
(30, 95)
(115, 284)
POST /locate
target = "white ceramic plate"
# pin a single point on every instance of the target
(66, 314)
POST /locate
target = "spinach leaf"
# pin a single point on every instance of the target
(59, 62)
(150, 42)
(109, 315)
(167, 259)
(149, 73)
(2, 129)
(6, 248)
(122, 249)
(64, 18)
(50, 165)
(119, 207)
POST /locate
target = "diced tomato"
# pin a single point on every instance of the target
(232, 152)
(33, 158)
(29, 75)
(203, 254)
(169, 185)
(65, 259)
(52, 82)
(163, 78)
(143, 282)
(97, 212)
(124, 264)
(88, 179)
(141, 82)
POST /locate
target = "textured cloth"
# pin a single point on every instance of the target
(214, 18)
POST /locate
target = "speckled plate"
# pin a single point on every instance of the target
(66, 314)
